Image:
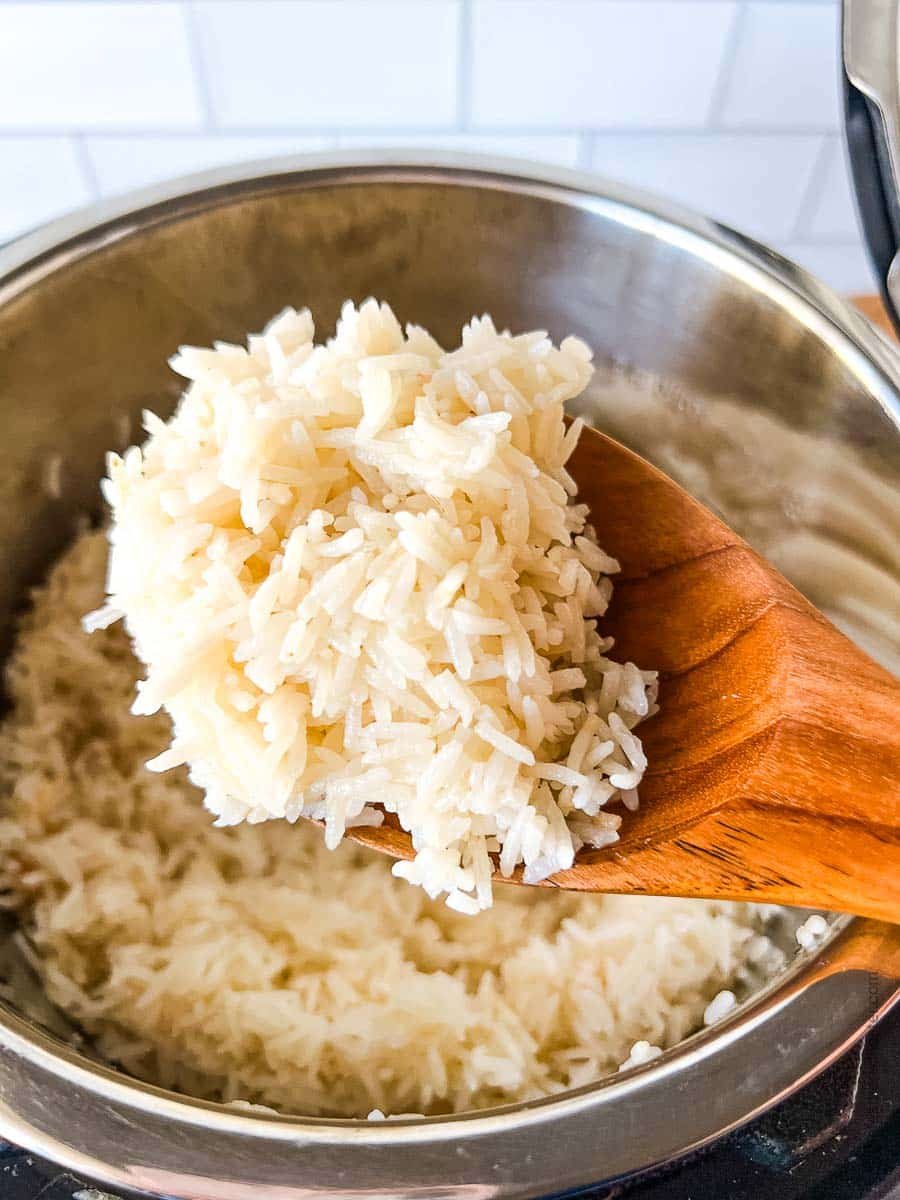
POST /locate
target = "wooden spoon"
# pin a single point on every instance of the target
(775, 758)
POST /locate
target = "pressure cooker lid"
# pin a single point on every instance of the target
(871, 56)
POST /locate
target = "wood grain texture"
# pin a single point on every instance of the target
(775, 758)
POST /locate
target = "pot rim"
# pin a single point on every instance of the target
(37, 1069)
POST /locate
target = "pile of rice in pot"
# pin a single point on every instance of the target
(360, 582)
(252, 964)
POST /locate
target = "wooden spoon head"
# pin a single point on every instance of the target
(752, 700)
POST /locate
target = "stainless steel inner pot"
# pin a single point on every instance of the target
(760, 389)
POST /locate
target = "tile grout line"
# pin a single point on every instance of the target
(498, 131)
(199, 72)
(464, 50)
(585, 150)
(113, 3)
(812, 193)
(722, 85)
(86, 165)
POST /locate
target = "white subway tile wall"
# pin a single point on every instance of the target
(120, 163)
(41, 178)
(755, 182)
(835, 210)
(729, 106)
(783, 74)
(96, 65)
(320, 63)
(567, 62)
(563, 149)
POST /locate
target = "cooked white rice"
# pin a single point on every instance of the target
(357, 576)
(253, 964)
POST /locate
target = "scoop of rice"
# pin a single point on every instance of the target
(359, 581)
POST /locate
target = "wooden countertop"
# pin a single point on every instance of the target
(873, 307)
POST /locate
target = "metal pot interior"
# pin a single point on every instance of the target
(760, 392)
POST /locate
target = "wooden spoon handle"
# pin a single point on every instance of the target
(872, 946)
(775, 760)
(827, 793)
(817, 821)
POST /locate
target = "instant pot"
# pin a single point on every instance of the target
(763, 392)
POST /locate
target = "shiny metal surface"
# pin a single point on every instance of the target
(90, 309)
(870, 33)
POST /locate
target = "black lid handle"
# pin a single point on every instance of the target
(870, 31)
